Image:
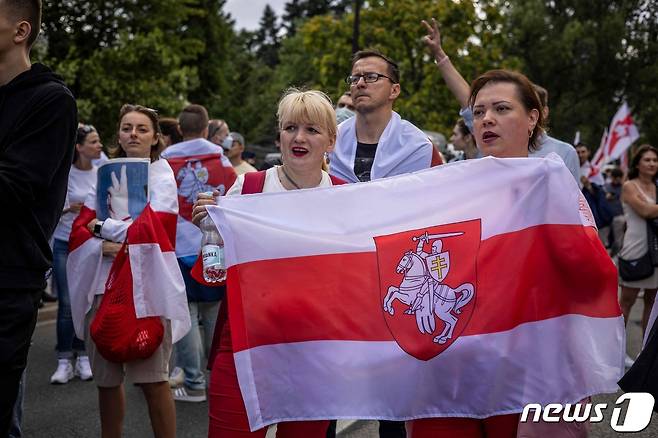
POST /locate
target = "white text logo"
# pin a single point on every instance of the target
(637, 416)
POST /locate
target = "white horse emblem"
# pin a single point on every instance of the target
(423, 291)
(193, 179)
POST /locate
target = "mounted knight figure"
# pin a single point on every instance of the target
(423, 273)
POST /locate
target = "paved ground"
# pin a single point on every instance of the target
(71, 410)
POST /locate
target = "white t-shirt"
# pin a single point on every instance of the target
(272, 182)
(80, 182)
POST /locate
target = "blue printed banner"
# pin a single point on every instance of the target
(122, 188)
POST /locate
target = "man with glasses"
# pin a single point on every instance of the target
(38, 121)
(377, 142)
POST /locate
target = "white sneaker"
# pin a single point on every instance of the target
(82, 368)
(64, 372)
(628, 361)
(189, 395)
(176, 377)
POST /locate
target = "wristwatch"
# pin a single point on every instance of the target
(97, 228)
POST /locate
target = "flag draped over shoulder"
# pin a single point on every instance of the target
(200, 166)
(402, 148)
(466, 290)
(157, 284)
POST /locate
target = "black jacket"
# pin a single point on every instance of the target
(38, 123)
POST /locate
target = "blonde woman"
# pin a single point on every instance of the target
(307, 124)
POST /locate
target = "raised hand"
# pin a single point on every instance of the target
(118, 196)
(433, 39)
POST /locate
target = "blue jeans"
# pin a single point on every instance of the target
(189, 351)
(67, 342)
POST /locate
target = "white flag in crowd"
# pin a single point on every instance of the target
(412, 303)
(617, 139)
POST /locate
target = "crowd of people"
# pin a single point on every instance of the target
(48, 176)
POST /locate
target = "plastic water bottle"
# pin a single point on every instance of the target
(212, 252)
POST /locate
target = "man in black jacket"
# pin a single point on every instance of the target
(38, 120)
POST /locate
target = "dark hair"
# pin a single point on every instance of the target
(542, 93)
(616, 172)
(526, 93)
(215, 125)
(80, 137)
(633, 171)
(463, 128)
(193, 120)
(169, 127)
(153, 117)
(393, 69)
(28, 10)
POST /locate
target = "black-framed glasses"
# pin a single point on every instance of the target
(368, 77)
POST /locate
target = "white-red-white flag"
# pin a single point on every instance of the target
(464, 290)
(621, 134)
(157, 284)
(199, 166)
(599, 158)
(616, 140)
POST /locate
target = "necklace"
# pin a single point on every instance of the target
(283, 169)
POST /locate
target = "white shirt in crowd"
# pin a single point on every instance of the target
(80, 182)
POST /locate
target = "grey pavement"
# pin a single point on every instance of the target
(71, 410)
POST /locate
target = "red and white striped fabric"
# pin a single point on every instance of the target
(199, 166)
(329, 295)
(615, 142)
(158, 287)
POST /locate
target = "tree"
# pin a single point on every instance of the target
(641, 87)
(319, 54)
(140, 54)
(140, 69)
(213, 29)
(589, 56)
(267, 40)
(297, 11)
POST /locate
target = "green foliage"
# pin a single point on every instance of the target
(140, 54)
(266, 39)
(589, 55)
(641, 87)
(297, 11)
(319, 54)
(144, 71)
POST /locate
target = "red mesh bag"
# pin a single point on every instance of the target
(117, 332)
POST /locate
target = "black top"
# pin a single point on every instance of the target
(365, 155)
(38, 123)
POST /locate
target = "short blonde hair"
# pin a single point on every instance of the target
(312, 106)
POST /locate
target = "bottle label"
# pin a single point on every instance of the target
(212, 255)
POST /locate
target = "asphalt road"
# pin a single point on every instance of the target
(71, 410)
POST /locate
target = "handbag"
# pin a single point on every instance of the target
(637, 269)
(117, 332)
